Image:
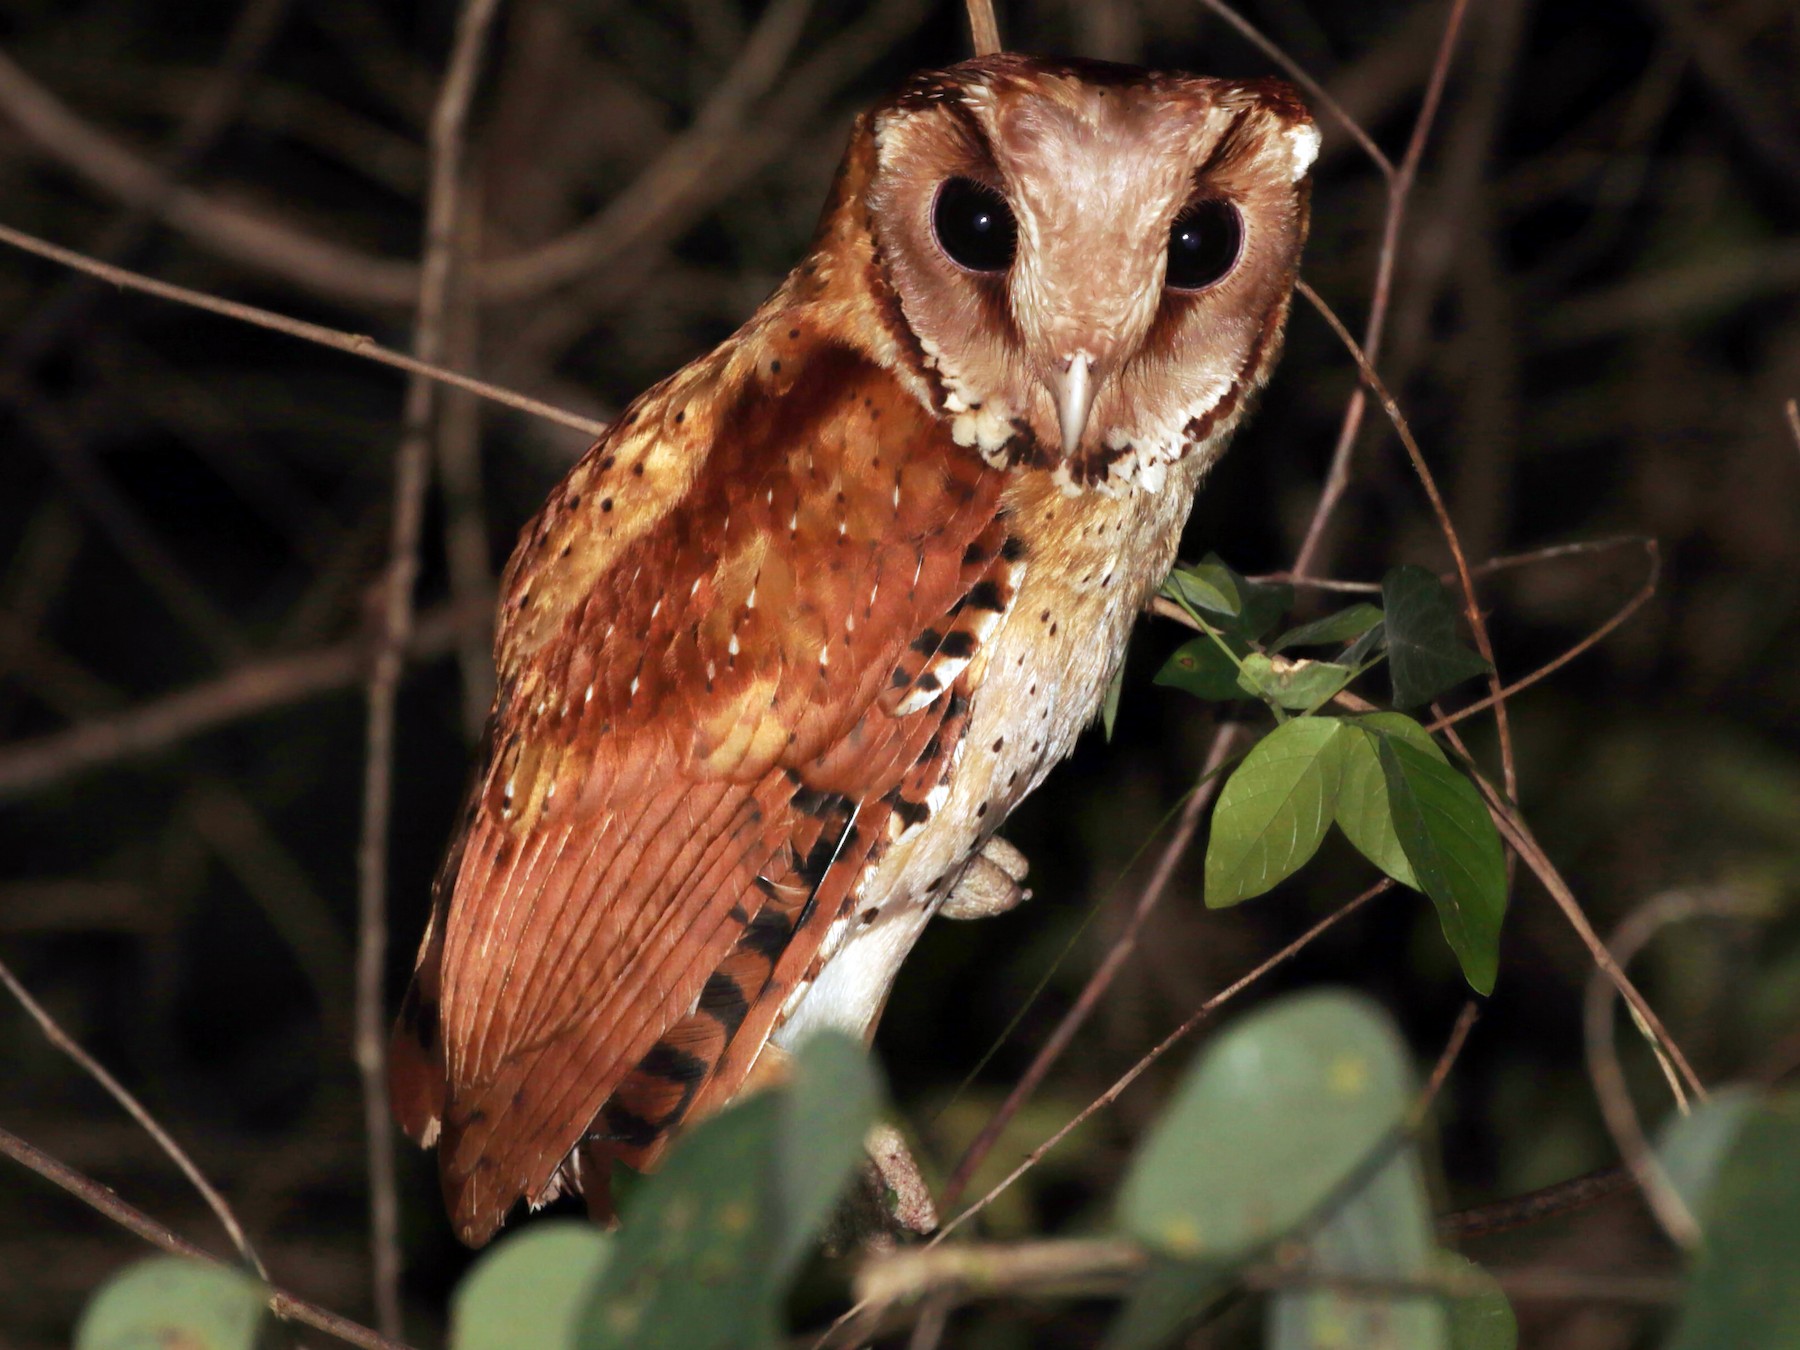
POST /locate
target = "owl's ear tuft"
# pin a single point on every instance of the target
(1303, 149)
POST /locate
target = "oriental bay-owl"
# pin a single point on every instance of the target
(786, 646)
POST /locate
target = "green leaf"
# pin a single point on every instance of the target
(826, 1113)
(1343, 626)
(1744, 1289)
(1425, 656)
(172, 1301)
(1210, 586)
(1266, 604)
(706, 1248)
(1481, 1320)
(1165, 1298)
(530, 1288)
(1109, 706)
(1200, 668)
(1274, 1117)
(1363, 813)
(1292, 684)
(1273, 811)
(1382, 1232)
(1367, 647)
(1454, 850)
(1692, 1148)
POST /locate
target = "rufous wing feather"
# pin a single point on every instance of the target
(688, 775)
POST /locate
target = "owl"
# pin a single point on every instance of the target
(782, 651)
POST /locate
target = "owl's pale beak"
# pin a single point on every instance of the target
(1074, 388)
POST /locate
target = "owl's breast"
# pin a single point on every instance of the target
(1089, 566)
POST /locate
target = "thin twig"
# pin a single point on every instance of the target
(411, 472)
(102, 1198)
(1547, 1202)
(1162, 1047)
(1556, 663)
(204, 119)
(31, 765)
(1314, 90)
(1107, 971)
(1616, 1108)
(1471, 606)
(1516, 833)
(1440, 1072)
(356, 344)
(61, 1039)
(1400, 185)
(1793, 420)
(984, 28)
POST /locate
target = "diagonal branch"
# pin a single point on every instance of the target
(91, 1193)
(61, 1039)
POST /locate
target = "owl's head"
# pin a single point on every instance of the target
(1094, 261)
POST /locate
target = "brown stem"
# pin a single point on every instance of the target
(90, 1192)
(984, 28)
(411, 472)
(356, 344)
(1102, 978)
(1400, 185)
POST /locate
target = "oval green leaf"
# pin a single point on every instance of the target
(1425, 656)
(1200, 668)
(1384, 1231)
(1344, 626)
(1270, 1122)
(172, 1301)
(1454, 851)
(826, 1112)
(530, 1288)
(1745, 1285)
(1296, 685)
(1363, 813)
(1273, 811)
(1208, 585)
(1480, 1319)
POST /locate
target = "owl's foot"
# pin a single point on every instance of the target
(990, 883)
(889, 1205)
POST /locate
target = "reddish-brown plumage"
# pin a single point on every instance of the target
(759, 654)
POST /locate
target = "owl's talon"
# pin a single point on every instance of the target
(990, 883)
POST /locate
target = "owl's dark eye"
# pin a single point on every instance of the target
(1204, 244)
(975, 226)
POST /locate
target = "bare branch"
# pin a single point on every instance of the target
(1471, 606)
(1162, 1047)
(28, 766)
(984, 28)
(1621, 1116)
(91, 1193)
(1400, 185)
(1108, 970)
(356, 344)
(61, 1039)
(411, 473)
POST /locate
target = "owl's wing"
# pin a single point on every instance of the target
(711, 721)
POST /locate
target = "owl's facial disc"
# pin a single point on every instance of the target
(1094, 260)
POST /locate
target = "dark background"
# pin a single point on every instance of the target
(1594, 331)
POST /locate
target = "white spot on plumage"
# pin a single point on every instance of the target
(634, 686)
(588, 697)
(732, 646)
